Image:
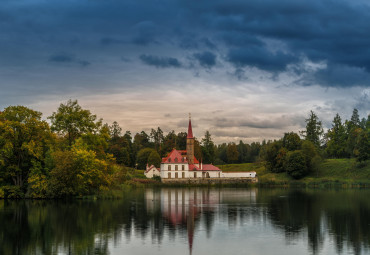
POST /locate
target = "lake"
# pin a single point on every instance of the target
(192, 221)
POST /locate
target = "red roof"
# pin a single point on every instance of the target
(205, 167)
(210, 167)
(174, 157)
(190, 130)
(179, 155)
(151, 167)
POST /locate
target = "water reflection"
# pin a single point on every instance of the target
(183, 208)
(192, 221)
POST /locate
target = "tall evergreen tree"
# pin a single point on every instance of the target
(313, 130)
(208, 148)
(336, 139)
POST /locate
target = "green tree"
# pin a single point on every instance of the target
(115, 130)
(154, 159)
(24, 140)
(157, 137)
(291, 141)
(296, 164)
(208, 148)
(78, 172)
(232, 153)
(142, 157)
(313, 130)
(71, 121)
(363, 146)
(271, 155)
(336, 139)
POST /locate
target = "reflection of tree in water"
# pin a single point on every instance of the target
(87, 227)
(345, 214)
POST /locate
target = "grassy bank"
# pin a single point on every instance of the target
(331, 172)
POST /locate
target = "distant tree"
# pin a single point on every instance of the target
(232, 153)
(270, 155)
(72, 121)
(181, 140)
(169, 143)
(355, 120)
(221, 153)
(197, 150)
(208, 148)
(157, 137)
(244, 152)
(154, 159)
(363, 146)
(291, 141)
(115, 130)
(313, 130)
(336, 139)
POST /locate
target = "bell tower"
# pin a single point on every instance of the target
(190, 143)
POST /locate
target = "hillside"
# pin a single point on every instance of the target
(331, 171)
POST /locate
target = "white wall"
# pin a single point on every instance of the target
(152, 172)
(239, 174)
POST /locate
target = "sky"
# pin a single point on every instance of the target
(246, 70)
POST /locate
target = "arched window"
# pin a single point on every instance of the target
(175, 159)
(169, 160)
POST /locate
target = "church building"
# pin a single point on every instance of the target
(182, 164)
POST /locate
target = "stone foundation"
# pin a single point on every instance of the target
(211, 180)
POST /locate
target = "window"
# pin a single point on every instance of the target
(182, 160)
(176, 167)
(183, 175)
(169, 160)
(169, 175)
(183, 167)
(195, 175)
(169, 168)
(176, 175)
(175, 159)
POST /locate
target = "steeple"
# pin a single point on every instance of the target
(190, 130)
(190, 143)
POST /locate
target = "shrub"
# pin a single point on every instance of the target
(296, 164)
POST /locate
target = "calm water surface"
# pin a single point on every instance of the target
(192, 221)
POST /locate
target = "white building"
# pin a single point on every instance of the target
(182, 164)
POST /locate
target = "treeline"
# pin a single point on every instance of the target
(79, 155)
(299, 155)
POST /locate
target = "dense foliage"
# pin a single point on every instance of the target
(79, 155)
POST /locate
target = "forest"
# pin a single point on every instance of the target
(74, 153)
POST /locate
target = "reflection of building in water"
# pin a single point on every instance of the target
(184, 208)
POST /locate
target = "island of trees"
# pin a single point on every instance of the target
(77, 154)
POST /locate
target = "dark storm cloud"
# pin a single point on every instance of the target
(260, 58)
(67, 58)
(160, 62)
(206, 59)
(269, 35)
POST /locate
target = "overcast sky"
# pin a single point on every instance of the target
(246, 70)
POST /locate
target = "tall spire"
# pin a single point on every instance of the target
(190, 130)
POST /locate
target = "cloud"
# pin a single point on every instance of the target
(67, 58)
(260, 58)
(206, 59)
(160, 62)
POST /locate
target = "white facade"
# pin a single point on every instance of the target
(152, 171)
